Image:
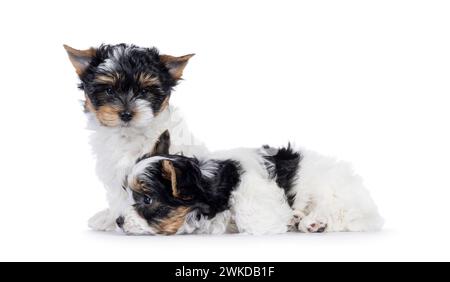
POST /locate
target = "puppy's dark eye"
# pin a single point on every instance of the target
(143, 92)
(147, 200)
(109, 91)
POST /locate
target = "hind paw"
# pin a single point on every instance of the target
(312, 226)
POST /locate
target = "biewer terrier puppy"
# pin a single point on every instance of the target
(253, 191)
(127, 91)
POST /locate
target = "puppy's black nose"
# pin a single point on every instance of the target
(120, 221)
(125, 116)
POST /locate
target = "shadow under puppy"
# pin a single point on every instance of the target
(254, 191)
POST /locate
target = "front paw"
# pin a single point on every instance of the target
(102, 221)
(297, 216)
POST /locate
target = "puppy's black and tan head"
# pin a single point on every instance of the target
(126, 85)
(166, 189)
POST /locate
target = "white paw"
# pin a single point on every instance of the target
(102, 221)
(312, 225)
(297, 216)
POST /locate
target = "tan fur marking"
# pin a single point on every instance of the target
(137, 185)
(173, 222)
(108, 115)
(106, 79)
(146, 80)
(169, 172)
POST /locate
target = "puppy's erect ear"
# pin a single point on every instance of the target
(80, 59)
(175, 65)
(170, 174)
(162, 146)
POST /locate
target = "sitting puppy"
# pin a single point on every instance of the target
(254, 191)
(127, 101)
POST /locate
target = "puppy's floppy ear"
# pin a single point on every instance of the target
(170, 174)
(175, 65)
(162, 146)
(80, 59)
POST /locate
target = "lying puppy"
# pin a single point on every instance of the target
(255, 191)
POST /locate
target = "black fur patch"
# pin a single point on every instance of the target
(287, 164)
(218, 191)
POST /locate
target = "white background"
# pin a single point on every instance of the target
(366, 81)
